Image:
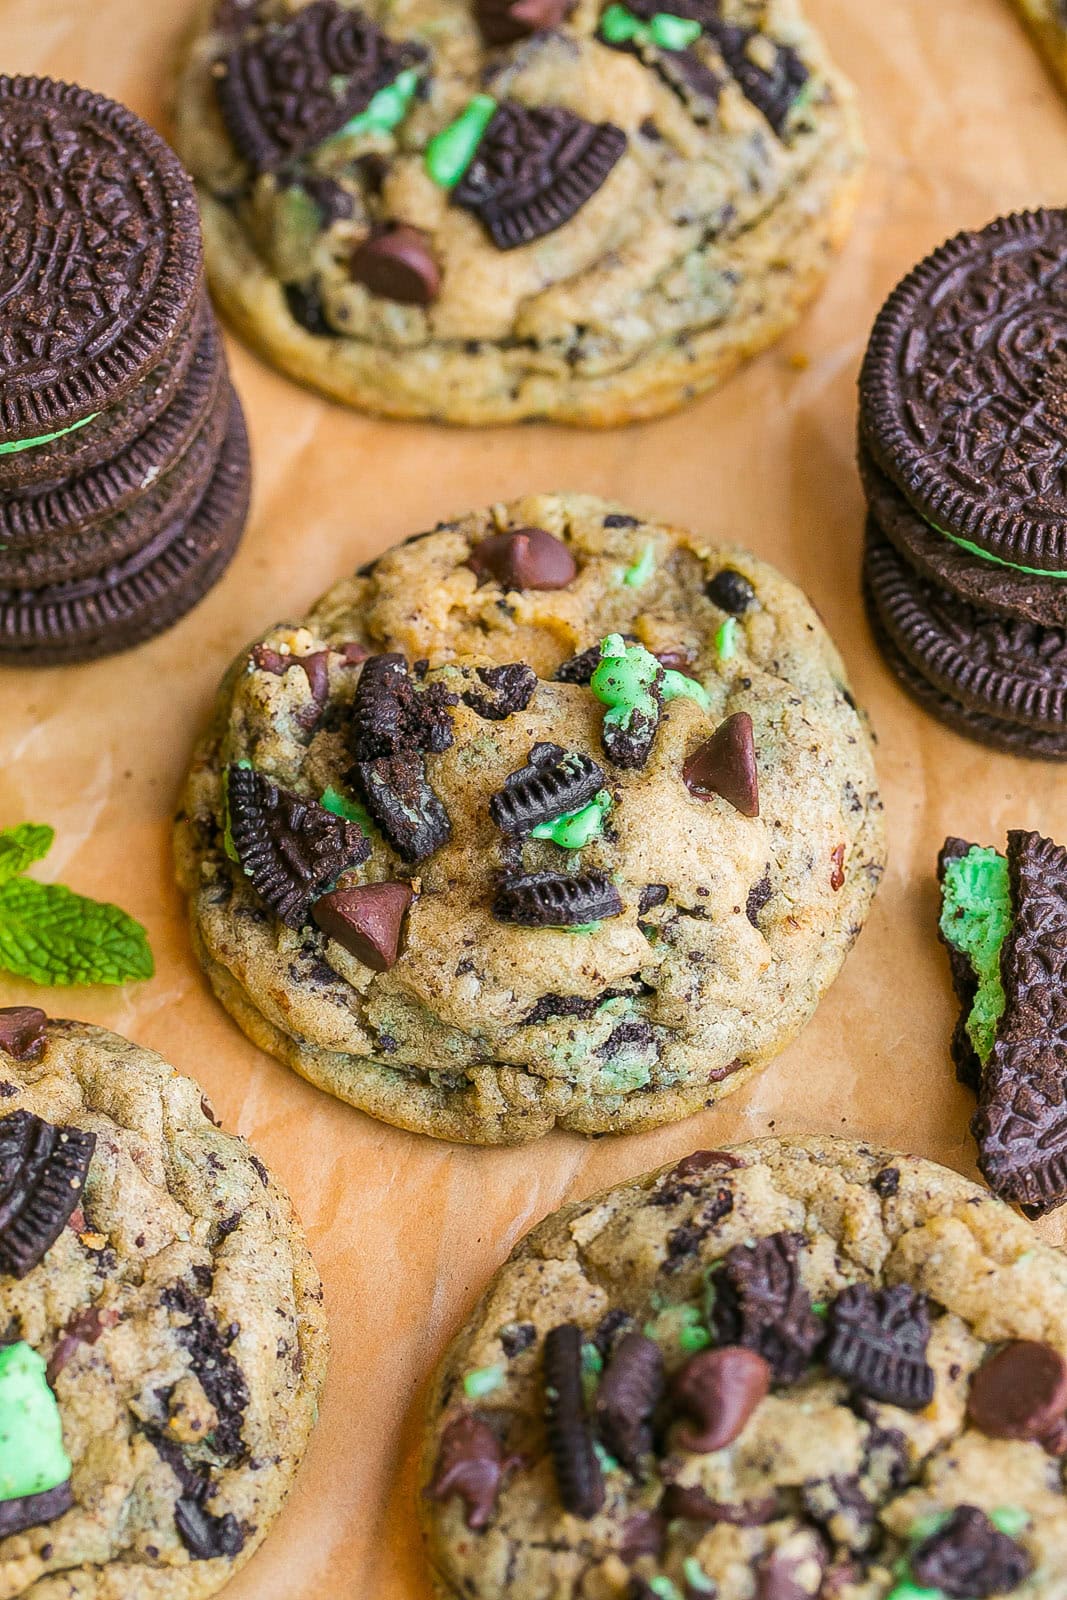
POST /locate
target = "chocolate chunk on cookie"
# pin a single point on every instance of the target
(760, 1302)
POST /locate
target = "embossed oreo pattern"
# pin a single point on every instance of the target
(964, 388)
(100, 255)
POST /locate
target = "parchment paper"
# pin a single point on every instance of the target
(962, 125)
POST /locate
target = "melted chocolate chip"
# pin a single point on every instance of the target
(523, 558)
(397, 263)
(367, 921)
(471, 1464)
(725, 765)
(719, 1390)
(23, 1032)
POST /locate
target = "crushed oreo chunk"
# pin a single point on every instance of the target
(570, 1436)
(652, 895)
(552, 783)
(42, 1174)
(626, 1400)
(393, 726)
(760, 1302)
(968, 1558)
(579, 668)
(34, 1510)
(877, 1344)
(219, 1375)
(731, 592)
(758, 897)
(290, 848)
(204, 1535)
(508, 689)
(555, 900)
(307, 309)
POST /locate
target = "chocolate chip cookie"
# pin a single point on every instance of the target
(550, 815)
(164, 1345)
(797, 1368)
(483, 211)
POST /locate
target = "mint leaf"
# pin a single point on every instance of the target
(20, 847)
(53, 936)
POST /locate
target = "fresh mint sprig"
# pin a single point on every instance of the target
(53, 936)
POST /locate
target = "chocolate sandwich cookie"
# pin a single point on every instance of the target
(1001, 667)
(989, 585)
(143, 594)
(71, 454)
(963, 393)
(1004, 921)
(1008, 737)
(172, 497)
(102, 260)
(31, 516)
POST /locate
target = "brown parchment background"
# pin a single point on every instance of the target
(962, 125)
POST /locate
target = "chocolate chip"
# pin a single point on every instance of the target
(316, 669)
(207, 1537)
(367, 921)
(570, 1438)
(877, 1344)
(397, 263)
(652, 895)
(837, 868)
(42, 1174)
(84, 1327)
(675, 660)
(510, 689)
(731, 592)
(471, 1464)
(556, 900)
(886, 1183)
(1019, 1393)
(505, 21)
(725, 765)
(968, 1558)
(719, 1390)
(22, 1032)
(288, 847)
(552, 782)
(517, 1337)
(761, 1302)
(627, 1397)
(524, 558)
(34, 1510)
(691, 1502)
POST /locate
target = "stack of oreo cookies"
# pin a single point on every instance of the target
(124, 469)
(963, 453)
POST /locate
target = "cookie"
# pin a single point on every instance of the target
(61, 510)
(165, 1342)
(993, 588)
(101, 248)
(792, 1368)
(171, 498)
(1047, 23)
(144, 593)
(488, 213)
(1004, 922)
(575, 932)
(1001, 667)
(1008, 737)
(961, 390)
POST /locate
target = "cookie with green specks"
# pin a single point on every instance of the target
(796, 1369)
(484, 211)
(549, 815)
(164, 1336)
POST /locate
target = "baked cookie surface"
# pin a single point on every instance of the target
(577, 916)
(650, 197)
(167, 1315)
(796, 1368)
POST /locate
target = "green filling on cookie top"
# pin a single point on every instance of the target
(575, 829)
(14, 445)
(32, 1457)
(976, 916)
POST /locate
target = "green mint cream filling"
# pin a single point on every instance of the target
(976, 917)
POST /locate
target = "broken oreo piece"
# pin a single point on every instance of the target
(42, 1174)
(22, 1032)
(878, 1341)
(556, 900)
(206, 1537)
(34, 1510)
(367, 921)
(579, 668)
(968, 1558)
(409, 812)
(390, 715)
(508, 689)
(291, 849)
(472, 1465)
(725, 765)
(570, 1437)
(627, 1397)
(550, 785)
(523, 558)
(760, 1302)
(535, 167)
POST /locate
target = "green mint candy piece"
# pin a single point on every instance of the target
(592, 1360)
(607, 1461)
(726, 639)
(1010, 1520)
(450, 152)
(387, 109)
(976, 917)
(16, 445)
(664, 1589)
(20, 847)
(53, 936)
(696, 1578)
(32, 1457)
(351, 810)
(624, 681)
(906, 1590)
(673, 33)
(637, 575)
(618, 25)
(676, 686)
(575, 829)
(482, 1381)
(925, 1527)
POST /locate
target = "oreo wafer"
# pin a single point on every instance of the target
(101, 248)
(139, 597)
(963, 393)
(1002, 667)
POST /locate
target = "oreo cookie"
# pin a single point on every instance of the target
(1002, 667)
(139, 597)
(101, 246)
(962, 389)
